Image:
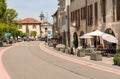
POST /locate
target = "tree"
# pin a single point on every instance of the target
(21, 34)
(3, 29)
(13, 30)
(2, 7)
(33, 33)
(9, 16)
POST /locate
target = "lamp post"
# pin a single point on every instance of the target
(8, 34)
(86, 15)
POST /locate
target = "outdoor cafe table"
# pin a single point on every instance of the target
(105, 51)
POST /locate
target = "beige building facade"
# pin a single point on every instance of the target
(89, 15)
(43, 28)
(28, 25)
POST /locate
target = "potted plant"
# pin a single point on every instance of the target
(54, 43)
(67, 50)
(116, 59)
(96, 55)
(81, 53)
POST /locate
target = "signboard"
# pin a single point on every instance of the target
(7, 34)
(49, 32)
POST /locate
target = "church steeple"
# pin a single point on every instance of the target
(42, 17)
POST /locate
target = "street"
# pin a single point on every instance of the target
(31, 60)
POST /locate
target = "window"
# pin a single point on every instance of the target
(96, 13)
(34, 26)
(71, 0)
(46, 29)
(71, 17)
(118, 10)
(103, 10)
(78, 18)
(20, 26)
(90, 15)
(83, 13)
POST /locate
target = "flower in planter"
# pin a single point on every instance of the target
(81, 53)
(96, 52)
(81, 50)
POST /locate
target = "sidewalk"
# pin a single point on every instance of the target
(107, 62)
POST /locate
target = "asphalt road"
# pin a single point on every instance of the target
(27, 61)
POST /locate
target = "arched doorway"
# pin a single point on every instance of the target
(111, 32)
(82, 41)
(75, 41)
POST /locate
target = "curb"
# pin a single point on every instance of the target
(81, 62)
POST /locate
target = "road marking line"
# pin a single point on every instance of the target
(91, 65)
(3, 73)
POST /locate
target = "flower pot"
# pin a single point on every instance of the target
(118, 63)
(96, 57)
(68, 50)
(81, 54)
(62, 49)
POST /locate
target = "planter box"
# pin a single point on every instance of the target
(96, 57)
(62, 49)
(118, 63)
(68, 50)
(58, 49)
(81, 54)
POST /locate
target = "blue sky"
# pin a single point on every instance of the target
(33, 8)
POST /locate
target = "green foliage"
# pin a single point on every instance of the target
(33, 33)
(3, 29)
(3, 7)
(13, 30)
(21, 34)
(116, 59)
(9, 16)
(96, 52)
(81, 50)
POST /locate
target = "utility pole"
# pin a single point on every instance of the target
(68, 15)
(8, 34)
(86, 15)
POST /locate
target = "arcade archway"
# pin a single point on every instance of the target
(111, 32)
(82, 41)
(75, 41)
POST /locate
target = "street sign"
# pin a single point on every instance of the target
(49, 32)
(7, 34)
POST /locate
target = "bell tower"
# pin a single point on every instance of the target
(42, 17)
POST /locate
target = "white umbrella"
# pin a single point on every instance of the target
(85, 36)
(109, 38)
(95, 33)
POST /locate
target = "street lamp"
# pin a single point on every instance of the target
(74, 23)
(8, 34)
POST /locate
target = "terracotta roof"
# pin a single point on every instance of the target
(29, 20)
